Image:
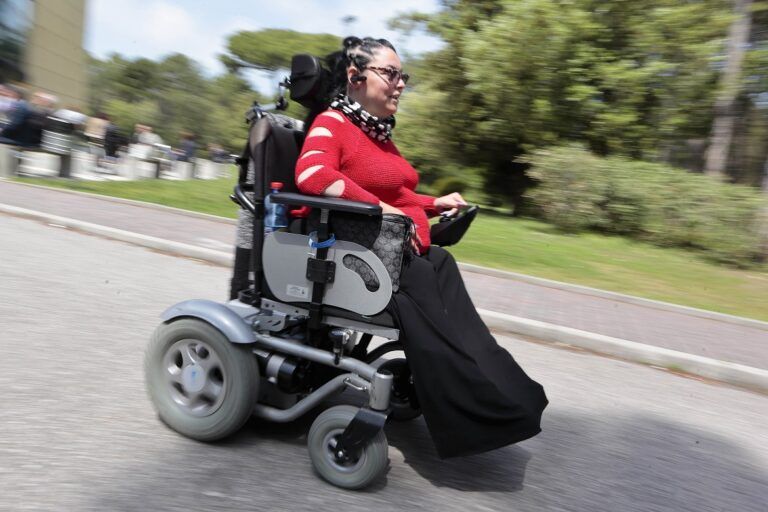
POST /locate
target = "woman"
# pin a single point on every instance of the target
(473, 394)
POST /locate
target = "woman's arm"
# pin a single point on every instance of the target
(428, 203)
(318, 167)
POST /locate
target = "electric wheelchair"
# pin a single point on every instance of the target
(301, 318)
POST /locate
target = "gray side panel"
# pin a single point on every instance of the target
(285, 265)
(232, 325)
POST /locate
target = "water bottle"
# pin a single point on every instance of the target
(275, 215)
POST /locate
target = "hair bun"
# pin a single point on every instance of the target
(351, 42)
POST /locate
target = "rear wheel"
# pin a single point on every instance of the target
(349, 471)
(201, 384)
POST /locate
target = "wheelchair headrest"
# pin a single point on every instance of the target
(308, 81)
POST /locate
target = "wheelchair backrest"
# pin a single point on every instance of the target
(363, 284)
(274, 142)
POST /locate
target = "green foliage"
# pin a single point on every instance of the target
(272, 49)
(126, 115)
(579, 191)
(422, 135)
(449, 184)
(629, 78)
(174, 97)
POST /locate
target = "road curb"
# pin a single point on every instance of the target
(159, 244)
(731, 373)
(724, 371)
(132, 202)
(619, 297)
(468, 267)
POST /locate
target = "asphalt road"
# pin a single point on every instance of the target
(77, 432)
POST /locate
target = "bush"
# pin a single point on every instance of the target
(448, 184)
(579, 191)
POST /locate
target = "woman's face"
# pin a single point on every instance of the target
(380, 93)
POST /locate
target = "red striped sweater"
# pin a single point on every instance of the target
(336, 149)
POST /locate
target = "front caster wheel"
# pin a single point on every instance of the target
(349, 471)
(201, 384)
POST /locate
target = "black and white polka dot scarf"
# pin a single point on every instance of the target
(375, 128)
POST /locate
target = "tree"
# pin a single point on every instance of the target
(748, 151)
(272, 49)
(763, 218)
(730, 86)
(623, 77)
(173, 96)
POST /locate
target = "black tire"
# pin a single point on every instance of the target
(365, 469)
(403, 400)
(201, 384)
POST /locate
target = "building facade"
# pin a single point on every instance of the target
(41, 47)
(15, 25)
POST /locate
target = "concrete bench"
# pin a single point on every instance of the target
(34, 162)
(209, 170)
(9, 160)
(82, 165)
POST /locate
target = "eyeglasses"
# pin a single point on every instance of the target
(391, 75)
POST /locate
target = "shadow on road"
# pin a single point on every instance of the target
(579, 462)
(500, 470)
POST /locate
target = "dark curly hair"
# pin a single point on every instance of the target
(356, 52)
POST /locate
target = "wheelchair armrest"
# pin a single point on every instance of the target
(327, 203)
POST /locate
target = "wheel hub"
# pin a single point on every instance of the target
(193, 378)
(341, 457)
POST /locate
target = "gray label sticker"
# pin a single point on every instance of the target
(294, 290)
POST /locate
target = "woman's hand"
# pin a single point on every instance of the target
(450, 203)
(416, 242)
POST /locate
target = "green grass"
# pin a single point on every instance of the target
(206, 196)
(616, 264)
(525, 246)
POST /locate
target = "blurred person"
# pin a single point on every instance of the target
(188, 147)
(41, 106)
(44, 102)
(216, 153)
(137, 129)
(137, 148)
(96, 128)
(72, 115)
(148, 136)
(473, 394)
(26, 120)
(114, 140)
(8, 99)
(146, 143)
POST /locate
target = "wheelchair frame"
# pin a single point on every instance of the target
(211, 365)
(176, 370)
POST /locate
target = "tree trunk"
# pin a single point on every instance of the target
(764, 186)
(729, 87)
(762, 219)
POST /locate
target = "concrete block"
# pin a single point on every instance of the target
(145, 169)
(205, 169)
(183, 170)
(37, 163)
(8, 161)
(83, 163)
(126, 167)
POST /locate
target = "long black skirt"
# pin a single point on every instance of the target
(473, 394)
